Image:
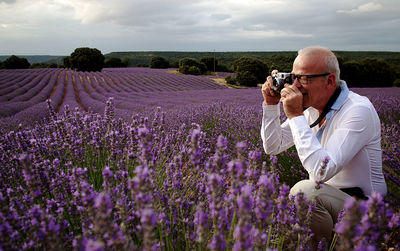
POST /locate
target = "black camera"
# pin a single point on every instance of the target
(280, 79)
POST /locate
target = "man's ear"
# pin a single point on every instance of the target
(331, 79)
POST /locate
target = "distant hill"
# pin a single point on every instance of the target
(285, 58)
(227, 58)
(38, 58)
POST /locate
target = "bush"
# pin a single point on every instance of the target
(174, 64)
(229, 80)
(15, 62)
(126, 61)
(282, 63)
(189, 65)
(223, 68)
(249, 71)
(246, 78)
(210, 62)
(67, 63)
(44, 65)
(114, 63)
(368, 72)
(87, 59)
(194, 70)
(191, 70)
(159, 63)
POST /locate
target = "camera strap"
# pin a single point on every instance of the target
(328, 106)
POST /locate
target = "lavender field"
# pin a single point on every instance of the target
(138, 158)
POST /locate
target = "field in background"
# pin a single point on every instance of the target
(23, 92)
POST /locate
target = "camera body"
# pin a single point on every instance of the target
(280, 79)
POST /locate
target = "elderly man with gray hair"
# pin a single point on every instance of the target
(336, 132)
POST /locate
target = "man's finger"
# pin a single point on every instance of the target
(287, 90)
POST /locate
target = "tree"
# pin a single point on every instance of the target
(246, 78)
(368, 72)
(44, 65)
(15, 62)
(377, 72)
(159, 62)
(283, 63)
(67, 62)
(126, 61)
(210, 62)
(174, 64)
(114, 63)
(250, 71)
(87, 59)
(191, 66)
(396, 83)
(53, 65)
(222, 68)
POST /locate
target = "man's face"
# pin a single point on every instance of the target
(315, 90)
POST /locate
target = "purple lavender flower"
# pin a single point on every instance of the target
(217, 242)
(243, 231)
(365, 223)
(322, 171)
(148, 222)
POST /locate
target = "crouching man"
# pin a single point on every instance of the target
(336, 133)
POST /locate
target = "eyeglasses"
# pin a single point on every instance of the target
(304, 79)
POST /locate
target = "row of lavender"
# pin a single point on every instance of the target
(23, 92)
(87, 181)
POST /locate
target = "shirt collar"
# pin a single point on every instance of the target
(340, 100)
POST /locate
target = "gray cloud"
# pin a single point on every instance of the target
(8, 1)
(199, 24)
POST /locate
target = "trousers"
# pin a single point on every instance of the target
(329, 203)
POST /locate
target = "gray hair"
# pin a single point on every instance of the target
(331, 62)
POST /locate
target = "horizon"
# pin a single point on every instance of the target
(255, 51)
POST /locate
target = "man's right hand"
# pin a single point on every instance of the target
(270, 96)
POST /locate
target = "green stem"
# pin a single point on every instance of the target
(269, 236)
(233, 223)
(333, 242)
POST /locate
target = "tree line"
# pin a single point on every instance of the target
(359, 69)
(82, 59)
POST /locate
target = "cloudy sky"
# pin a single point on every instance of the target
(57, 27)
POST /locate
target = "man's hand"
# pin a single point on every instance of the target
(270, 96)
(292, 100)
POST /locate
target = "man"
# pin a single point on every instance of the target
(341, 151)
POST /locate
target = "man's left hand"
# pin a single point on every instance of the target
(292, 100)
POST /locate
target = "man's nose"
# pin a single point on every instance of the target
(297, 83)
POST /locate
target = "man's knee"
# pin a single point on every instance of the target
(307, 187)
(321, 221)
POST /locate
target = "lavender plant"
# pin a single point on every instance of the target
(368, 225)
(95, 181)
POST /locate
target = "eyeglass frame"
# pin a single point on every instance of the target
(310, 76)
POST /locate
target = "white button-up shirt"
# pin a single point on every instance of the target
(350, 138)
